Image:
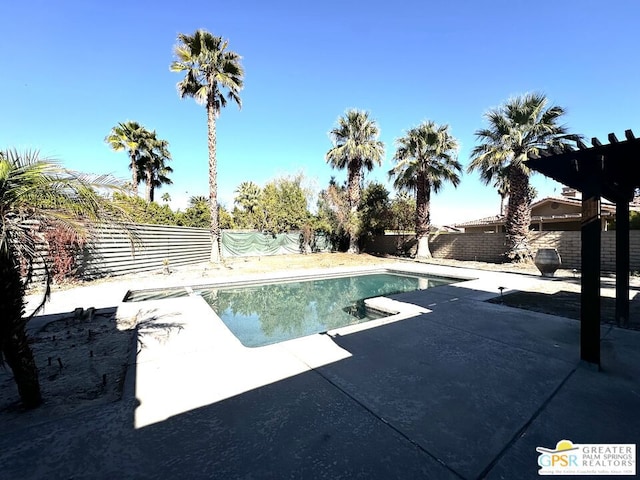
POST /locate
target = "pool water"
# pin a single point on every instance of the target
(269, 313)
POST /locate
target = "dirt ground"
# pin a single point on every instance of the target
(82, 357)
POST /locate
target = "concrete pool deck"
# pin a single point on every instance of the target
(455, 388)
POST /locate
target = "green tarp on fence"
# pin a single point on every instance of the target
(252, 244)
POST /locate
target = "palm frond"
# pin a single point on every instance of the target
(522, 127)
(208, 66)
(36, 191)
(426, 152)
(355, 139)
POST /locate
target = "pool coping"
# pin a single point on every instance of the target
(203, 332)
(395, 310)
(261, 279)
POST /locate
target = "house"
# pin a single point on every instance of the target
(548, 214)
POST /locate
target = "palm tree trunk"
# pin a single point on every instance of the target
(423, 200)
(14, 347)
(518, 217)
(213, 178)
(149, 182)
(355, 172)
(134, 173)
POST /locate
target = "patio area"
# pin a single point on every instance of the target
(458, 388)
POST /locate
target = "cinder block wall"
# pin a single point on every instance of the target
(489, 247)
(569, 247)
(567, 244)
(479, 247)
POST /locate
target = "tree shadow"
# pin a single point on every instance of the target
(567, 304)
(83, 357)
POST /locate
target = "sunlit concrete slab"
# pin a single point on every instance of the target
(186, 358)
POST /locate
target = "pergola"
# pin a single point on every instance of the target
(611, 171)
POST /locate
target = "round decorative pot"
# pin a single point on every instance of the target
(548, 261)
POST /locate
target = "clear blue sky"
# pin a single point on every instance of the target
(73, 69)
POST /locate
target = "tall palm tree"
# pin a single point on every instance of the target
(426, 158)
(521, 127)
(35, 192)
(130, 136)
(355, 147)
(209, 70)
(152, 166)
(248, 196)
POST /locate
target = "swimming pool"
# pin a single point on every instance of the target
(266, 313)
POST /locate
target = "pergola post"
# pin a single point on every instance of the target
(613, 172)
(622, 262)
(590, 281)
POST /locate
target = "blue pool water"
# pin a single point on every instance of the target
(269, 313)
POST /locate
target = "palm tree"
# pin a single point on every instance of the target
(166, 198)
(130, 136)
(502, 184)
(426, 158)
(35, 193)
(248, 196)
(152, 167)
(209, 69)
(521, 127)
(198, 200)
(355, 147)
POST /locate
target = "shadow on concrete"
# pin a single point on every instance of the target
(435, 396)
(567, 304)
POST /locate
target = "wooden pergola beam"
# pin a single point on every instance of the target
(611, 171)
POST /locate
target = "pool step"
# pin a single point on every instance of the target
(393, 307)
